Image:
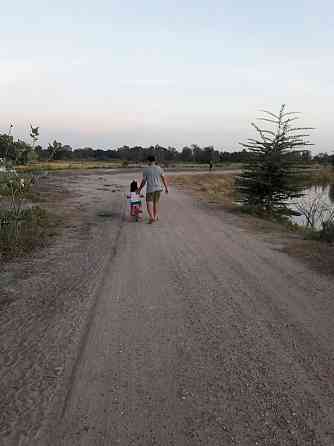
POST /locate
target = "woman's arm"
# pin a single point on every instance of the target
(142, 184)
(165, 183)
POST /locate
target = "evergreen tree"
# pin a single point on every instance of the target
(271, 176)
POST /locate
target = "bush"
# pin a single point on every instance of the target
(21, 233)
(125, 163)
(16, 188)
(327, 231)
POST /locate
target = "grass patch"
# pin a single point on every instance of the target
(105, 214)
(202, 166)
(212, 188)
(115, 164)
(67, 165)
(319, 176)
(20, 235)
(319, 256)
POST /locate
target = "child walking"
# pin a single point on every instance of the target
(134, 200)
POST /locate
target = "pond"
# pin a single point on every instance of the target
(323, 194)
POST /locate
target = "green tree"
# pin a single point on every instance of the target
(7, 149)
(187, 154)
(23, 152)
(271, 177)
(54, 150)
(34, 135)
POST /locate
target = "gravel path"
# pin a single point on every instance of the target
(190, 331)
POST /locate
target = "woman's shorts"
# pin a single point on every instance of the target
(153, 196)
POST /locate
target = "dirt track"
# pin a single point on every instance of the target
(190, 331)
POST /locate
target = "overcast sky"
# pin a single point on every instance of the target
(105, 73)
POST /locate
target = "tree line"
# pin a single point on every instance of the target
(20, 152)
(137, 154)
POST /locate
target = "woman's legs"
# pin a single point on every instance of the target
(155, 210)
(152, 200)
(156, 199)
(149, 205)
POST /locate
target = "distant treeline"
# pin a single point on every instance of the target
(192, 153)
(20, 152)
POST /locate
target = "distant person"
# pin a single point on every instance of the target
(154, 179)
(211, 166)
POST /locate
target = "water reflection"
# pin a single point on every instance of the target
(325, 190)
(324, 193)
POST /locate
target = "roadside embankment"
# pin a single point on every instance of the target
(218, 191)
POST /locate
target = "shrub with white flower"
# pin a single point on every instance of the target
(15, 188)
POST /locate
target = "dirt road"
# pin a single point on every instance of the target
(197, 333)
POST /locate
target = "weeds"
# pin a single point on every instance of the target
(20, 234)
(21, 227)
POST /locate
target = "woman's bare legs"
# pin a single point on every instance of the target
(150, 210)
(155, 209)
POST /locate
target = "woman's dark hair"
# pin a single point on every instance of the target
(151, 158)
(133, 186)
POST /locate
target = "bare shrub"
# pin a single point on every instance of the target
(315, 210)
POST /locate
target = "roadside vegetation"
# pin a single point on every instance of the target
(273, 174)
(274, 178)
(23, 225)
(271, 189)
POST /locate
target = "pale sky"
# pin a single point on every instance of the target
(105, 73)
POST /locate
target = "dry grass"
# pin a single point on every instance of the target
(113, 164)
(214, 188)
(318, 255)
(319, 176)
(68, 165)
(324, 175)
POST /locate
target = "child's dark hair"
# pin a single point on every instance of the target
(133, 186)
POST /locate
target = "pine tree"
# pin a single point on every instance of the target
(271, 177)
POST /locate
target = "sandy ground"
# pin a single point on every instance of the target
(191, 331)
